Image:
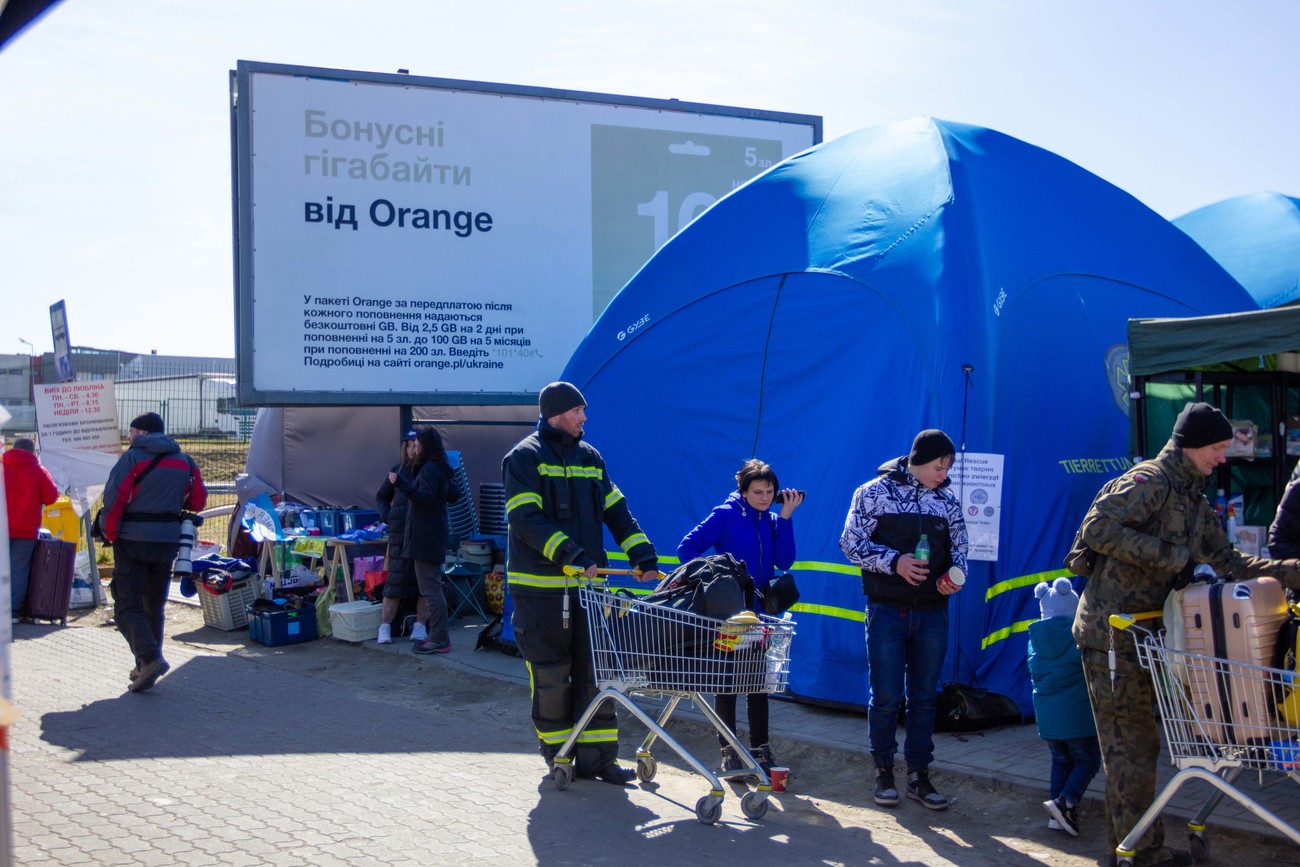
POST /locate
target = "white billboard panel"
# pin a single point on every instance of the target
(404, 240)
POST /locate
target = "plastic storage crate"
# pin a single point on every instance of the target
(355, 621)
(229, 610)
(286, 626)
(328, 522)
(62, 522)
(355, 519)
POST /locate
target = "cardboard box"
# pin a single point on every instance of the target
(1293, 435)
(286, 626)
(1237, 504)
(1249, 539)
(355, 621)
(1242, 444)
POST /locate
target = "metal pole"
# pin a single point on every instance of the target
(96, 586)
(8, 713)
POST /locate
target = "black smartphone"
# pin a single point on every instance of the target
(780, 496)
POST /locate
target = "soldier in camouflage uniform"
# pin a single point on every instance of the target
(1150, 529)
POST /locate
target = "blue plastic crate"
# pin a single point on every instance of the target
(355, 519)
(328, 522)
(286, 626)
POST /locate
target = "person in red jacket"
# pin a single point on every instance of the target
(28, 489)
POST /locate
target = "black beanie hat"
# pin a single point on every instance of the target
(930, 445)
(151, 422)
(1200, 424)
(558, 398)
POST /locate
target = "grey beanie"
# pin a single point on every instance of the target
(1058, 600)
(1200, 424)
(558, 398)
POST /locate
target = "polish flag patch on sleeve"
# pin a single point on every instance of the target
(1141, 478)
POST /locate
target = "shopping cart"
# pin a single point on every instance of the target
(1220, 718)
(658, 651)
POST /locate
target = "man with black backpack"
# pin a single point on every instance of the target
(1144, 536)
(149, 491)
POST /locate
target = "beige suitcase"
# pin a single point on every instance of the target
(1237, 620)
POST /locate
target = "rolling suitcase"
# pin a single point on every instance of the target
(51, 584)
(1239, 621)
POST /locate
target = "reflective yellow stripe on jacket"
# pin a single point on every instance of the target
(545, 582)
(522, 499)
(557, 539)
(560, 471)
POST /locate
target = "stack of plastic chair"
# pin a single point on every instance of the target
(462, 523)
(492, 508)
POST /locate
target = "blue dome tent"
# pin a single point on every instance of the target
(820, 315)
(1256, 239)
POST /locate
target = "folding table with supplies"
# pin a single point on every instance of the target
(338, 562)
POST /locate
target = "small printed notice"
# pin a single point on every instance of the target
(78, 415)
(977, 482)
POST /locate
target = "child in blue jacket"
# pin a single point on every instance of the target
(1061, 705)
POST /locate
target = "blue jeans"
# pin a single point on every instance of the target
(1074, 763)
(21, 552)
(905, 650)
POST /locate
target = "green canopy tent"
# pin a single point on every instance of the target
(1244, 363)
(1160, 345)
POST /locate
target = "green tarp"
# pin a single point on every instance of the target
(1160, 345)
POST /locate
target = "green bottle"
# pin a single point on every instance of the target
(923, 549)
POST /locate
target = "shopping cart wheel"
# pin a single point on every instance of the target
(1199, 845)
(562, 776)
(708, 809)
(754, 805)
(646, 768)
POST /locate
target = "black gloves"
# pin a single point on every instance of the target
(1187, 575)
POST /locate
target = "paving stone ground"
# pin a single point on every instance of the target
(332, 753)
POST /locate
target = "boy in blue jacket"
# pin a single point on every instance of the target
(1061, 705)
(747, 527)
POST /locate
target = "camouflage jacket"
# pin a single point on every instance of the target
(1144, 531)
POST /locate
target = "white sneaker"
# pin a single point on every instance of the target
(385, 633)
(1053, 825)
(419, 633)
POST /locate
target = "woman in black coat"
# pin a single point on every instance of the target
(401, 576)
(428, 487)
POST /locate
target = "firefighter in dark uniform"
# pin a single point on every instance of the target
(558, 500)
(1150, 529)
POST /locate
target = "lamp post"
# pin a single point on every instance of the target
(31, 353)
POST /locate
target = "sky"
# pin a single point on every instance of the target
(115, 188)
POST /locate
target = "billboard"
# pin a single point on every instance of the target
(403, 240)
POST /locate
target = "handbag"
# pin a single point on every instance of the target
(97, 527)
(780, 594)
(960, 707)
